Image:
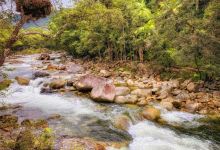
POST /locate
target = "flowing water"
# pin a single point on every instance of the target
(81, 117)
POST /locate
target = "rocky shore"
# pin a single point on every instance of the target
(118, 83)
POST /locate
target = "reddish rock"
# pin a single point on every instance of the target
(88, 82)
(103, 92)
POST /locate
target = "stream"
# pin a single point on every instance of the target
(82, 117)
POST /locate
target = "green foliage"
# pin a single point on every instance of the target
(107, 29)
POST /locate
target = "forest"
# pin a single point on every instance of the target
(169, 33)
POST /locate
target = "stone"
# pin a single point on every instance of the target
(184, 84)
(88, 82)
(122, 91)
(142, 102)
(191, 87)
(74, 68)
(151, 113)
(177, 104)
(184, 95)
(44, 57)
(167, 105)
(5, 84)
(128, 99)
(105, 73)
(57, 84)
(8, 122)
(192, 107)
(22, 80)
(130, 82)
(142, 92)
(103, 92)
(41, 74)
(122, 122)
(80, 144)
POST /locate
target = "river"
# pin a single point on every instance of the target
(82, 117)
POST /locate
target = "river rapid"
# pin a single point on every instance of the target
(82, 117)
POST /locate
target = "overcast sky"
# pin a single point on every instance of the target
(56, 3)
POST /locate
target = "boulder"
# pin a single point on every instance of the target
(105, 73)
(191, 87)
(57, 84)
(192, 107)
(142, 92)
(122, 91)
(8, 122)
(22, 80)
(130, 82)
(103, 92)
(74, 68)
(122, 122)
(128, 99)
(41, 74)
(88, 82)
(167, 105)
(151, 113)
(80, 144)
(44, 57)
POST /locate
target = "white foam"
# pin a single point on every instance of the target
(147, 136)
(175, 117)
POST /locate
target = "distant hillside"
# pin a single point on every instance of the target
(41, 22)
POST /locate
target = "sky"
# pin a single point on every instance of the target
(56, 3)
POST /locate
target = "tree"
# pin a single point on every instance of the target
(29, 10)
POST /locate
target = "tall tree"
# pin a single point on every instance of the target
(29, 10)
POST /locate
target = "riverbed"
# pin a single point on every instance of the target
(81, 117)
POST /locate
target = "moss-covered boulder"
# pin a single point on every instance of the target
(5, 84)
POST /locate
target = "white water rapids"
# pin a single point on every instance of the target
(146, 135)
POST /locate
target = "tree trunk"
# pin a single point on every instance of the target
(110, 51)
(12, 39)
(141, 54)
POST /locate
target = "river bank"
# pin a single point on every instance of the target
(58, 87)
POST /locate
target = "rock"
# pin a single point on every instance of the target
(74, 68)
(130, 82)
(80, 144)
(184, 95)
(103, 92)
(174, 83)
(122, 91)
(177, 104)
(44, 57)
(192, 106)
(216, 95)
(25, 141)
(167, 105)
(185, 83)
(105, 73)
(88, 82)
(40, 74)
(5, 84)
(8, 122)
(191, 87)
(57, 84)
(46, 90)
(151, 113)
(142, 102)
(142, 92)
(163, 94)
(122, 122)
(22, 80)
(128, 99)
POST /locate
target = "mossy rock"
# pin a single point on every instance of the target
(5, 84)
(25, 141)
(8, 122)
